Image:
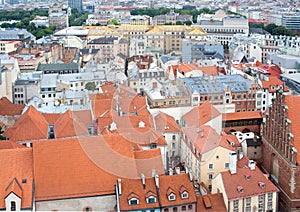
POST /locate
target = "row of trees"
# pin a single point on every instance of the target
(162, 11)
(273, 29)
(24, 17)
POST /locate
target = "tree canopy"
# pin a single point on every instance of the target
(90, 86)
(273, 29)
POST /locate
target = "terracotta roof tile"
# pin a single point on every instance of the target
(16, 175)
(166, 123)
(205, 138)
(7, 108)
(32, 120)
(211, 202)
(293, 102)
(250, 186)
(68, 164)
(175, 182)
(69, 125)
(272, 83)
(242, 115)
(135, 186)
(8, 144)
(201, 114)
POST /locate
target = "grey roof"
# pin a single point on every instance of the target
(217, 84)
(103, 40)
(26, 82)
(57, 67)
(89, 51)
(14, 34)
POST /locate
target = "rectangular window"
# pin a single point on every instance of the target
(211, 166)
(226, 165)
(210, 176)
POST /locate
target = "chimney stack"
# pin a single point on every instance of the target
(251, 164)
(191, 175)
(153, 173)
(232, 162)
(157, 181)
(143, 181)
(170, 171)
(119, 187)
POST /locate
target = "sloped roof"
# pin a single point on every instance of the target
(207, 141)
(78, 167)
(293, 102)
(32, 120)
(16, 167)
(166, 123)
(211, 202)
(251, 187)
(201, 114)
(69, 125)
(272, 83)
(7, 108)
(242, 115)
(175, 182)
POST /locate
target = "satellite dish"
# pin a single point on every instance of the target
(56, 103)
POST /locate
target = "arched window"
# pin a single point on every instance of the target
(12, 205)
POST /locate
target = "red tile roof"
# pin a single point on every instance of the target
(250, 187)
(293, 102)
(165, 123)
(7, 108)
(16, 166)
(175, 182)
(135, 186)
(242, 115)
(211, 202)
(208, 141)
(273, 83)
(201, 114)
(78, 167)
(69, 125)
(8, 144)
(30, 126)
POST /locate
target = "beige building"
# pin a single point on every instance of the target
(245, 187)
(167, 37)
(205, 153)
(9, 46)
(8, 74)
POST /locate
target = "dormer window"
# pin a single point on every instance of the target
(184, 195)
(153, 145)
(133, 201)
(248, 177)
(240, 189)
(151, 199)
(172, 197)
(262, 185)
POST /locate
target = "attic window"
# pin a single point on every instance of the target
(248, 177)
(172, 197)
(151, 199)
(262, 185)
(133, 201)
(153, 145)
(240, 189)
(184, 195)
(24, 181)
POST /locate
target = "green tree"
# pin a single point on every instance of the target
(178, 23)
(281, 30)
(188, 23)
(270, 27)
(113, 21)
(90, 86)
